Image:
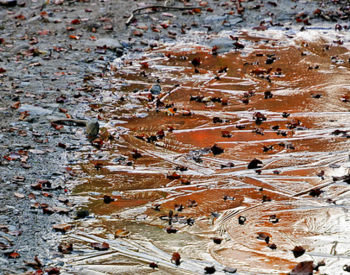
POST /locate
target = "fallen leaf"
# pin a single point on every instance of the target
(62, 227)
(65, 248)
(176, 258)
(121, 233)
(13, 255)
(298, 251)
(19, 195)
(52, 270)
(21, 17)
(99, 246)
(76, 37)
(303, 268)
(31, 196)
(75, 22)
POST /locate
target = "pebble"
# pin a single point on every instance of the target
(92, 127)
(156, 89)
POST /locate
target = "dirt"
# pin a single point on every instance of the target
(50, 61)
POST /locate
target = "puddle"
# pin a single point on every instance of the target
(299, 92)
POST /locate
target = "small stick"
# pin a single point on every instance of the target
(72, 120)
(157, 7)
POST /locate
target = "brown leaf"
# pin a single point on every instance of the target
(16, 105)
(36, 263)
(60, 210)
(153, 265)
(99, 246)
(31, 196)
(173, 176)
(264, 237)
(107, 199)
(19, 195)
(196, 61)
(255, 163)
(171, 229)
(15, 233)
(36, 186)
(216, 149)
(108, 28)
(76, 37)
(52, 270)
(62, 227)
(65, 248)
(138, 33)
(176, 258)
(121, 233)
(303, 268)
(47, 195)
(298, 251)
(13, 255)
(20, 17)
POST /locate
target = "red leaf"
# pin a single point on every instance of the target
(2, 70)
(13, 255)
(20, 17)
(75, 22)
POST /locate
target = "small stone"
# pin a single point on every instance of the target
(82, 213)
(229, 269)
(156, 89)
(92, 127)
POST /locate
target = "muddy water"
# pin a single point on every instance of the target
(307, 80)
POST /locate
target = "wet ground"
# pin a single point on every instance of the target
(195, 97)
(212, 99)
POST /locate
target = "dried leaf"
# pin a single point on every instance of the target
(13, 255)
(176, 258)
(75, 22)
(99, 246)
(31, 196)
(121, 233)
(76, 37)
(19, 195)
(298, 251)
(62, 227)
(303, 268)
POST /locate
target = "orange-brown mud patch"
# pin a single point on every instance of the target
(308, 102)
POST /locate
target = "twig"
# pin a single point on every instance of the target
(67, 120)
(157, 7)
